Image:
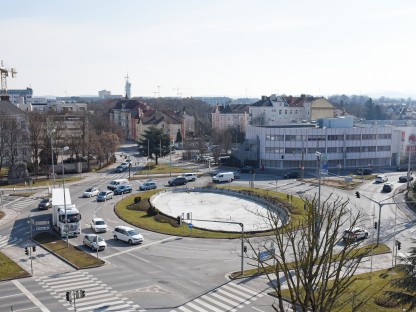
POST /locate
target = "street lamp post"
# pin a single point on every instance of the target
(65, 148)
(318, 158)
(53, 163)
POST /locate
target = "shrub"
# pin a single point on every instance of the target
(152, 211)
(137, 199)
(385, 302)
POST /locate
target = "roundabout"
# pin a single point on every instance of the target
(216, 207)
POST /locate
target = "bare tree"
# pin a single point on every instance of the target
(310, 257)
(37, 123)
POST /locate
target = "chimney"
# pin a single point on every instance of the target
(263, 97)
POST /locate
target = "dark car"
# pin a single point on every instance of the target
(178, 181)
(403, 179)
(45, 203)
(292, 175)
(123, 189)
(120, 169)
(366, 171)
(387, 187)
(247, 169)
(403, 168)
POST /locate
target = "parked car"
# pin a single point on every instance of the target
(45, 203)
(381, 178)
(98, 225)
(104, 195)
(403, 179)
(236, 175)
(149, 185)
(403, 168)
(354, 234)
(247, 169)
(120, 169)
(387, 187)
(292, 175)
(189, 176)
(123, 189)
(94, 242)
(127, 234)
(178, 181)
(91, 191)
(365, 171)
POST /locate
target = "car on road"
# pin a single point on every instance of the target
(292, 175)
(123, 189)
(120, 169)
(45, 203)
(381, 178)
(236, 175)
(189, 176)
(127, 234)
(403, 179)
(365, 171)
(247, 169)
(178, 181)
(98, 225)
(125, 165)
(403, 168)
(387, 187)
(149, 185)
(104, 195)
(90, 192)
(354, 234)
(94, 242)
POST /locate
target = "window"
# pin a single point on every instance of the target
(275, 150)
(353, 137)
(335, 137)
(353, 149)
(369, 137)
(271, 137)
(280, 111)
(285, 111)
(385, 136)
(384, 148)
(334, 149)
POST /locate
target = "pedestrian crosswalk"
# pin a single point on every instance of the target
(229, 297)
(7, 240)
(98, 295)
(17, 202)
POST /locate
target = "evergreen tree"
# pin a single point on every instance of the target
(155, 143)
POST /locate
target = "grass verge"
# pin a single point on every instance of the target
(77, 257)
(371, 249)
(42, 182)
(160, 169)
(366, 293)
(10, 269)
(162, 224)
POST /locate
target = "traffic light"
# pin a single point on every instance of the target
(245, 248)
(68, 296)
(26, 251)
(357, 194)
(82, 293)
(375, 225)
(33, 248)
(179, 220)
(399, 245)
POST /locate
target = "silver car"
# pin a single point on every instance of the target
(104, 195)
(90, 192)
(93, 240)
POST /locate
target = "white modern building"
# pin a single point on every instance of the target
(340, 143)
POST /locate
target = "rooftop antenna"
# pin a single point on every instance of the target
(4, 74)
(158, 91)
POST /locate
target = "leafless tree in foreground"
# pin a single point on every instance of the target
(312, 265)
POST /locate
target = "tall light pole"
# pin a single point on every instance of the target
(65, 148)
(53, 163)
(318, 159)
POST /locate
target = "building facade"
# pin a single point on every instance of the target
(230, 116)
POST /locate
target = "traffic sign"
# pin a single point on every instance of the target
(43, 228)
(190, 225)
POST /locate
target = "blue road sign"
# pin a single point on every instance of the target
(190, 225)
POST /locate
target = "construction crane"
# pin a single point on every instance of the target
(4, 74)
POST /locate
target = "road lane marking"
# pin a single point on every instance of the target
(139, 247)
(30, 296)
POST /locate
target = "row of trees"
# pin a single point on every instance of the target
(87, 135)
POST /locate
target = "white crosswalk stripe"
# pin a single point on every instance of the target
(229, 297)
(20, 202)
(98, 296)
(6, 240)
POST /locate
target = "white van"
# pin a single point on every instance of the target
(116, 183)
(223, 177)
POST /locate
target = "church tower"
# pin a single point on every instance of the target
(128, 87)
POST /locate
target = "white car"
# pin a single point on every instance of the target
(354, 234)
(94, 242)
(381, 179)
(90, 192)
(127, 234)
(98, 225)
(190, 176)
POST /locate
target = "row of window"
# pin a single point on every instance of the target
(336, 137)
(329, 150)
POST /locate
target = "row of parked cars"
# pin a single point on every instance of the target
(123, 233)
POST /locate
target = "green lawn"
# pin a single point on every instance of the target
(43, 182)
(10, 269)
(77, 257)
(161, 169)
(365, 291)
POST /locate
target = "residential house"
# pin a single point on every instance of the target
(230, 116)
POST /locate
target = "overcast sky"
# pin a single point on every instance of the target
(231, 48)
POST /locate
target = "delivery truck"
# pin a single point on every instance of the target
(66, 219)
